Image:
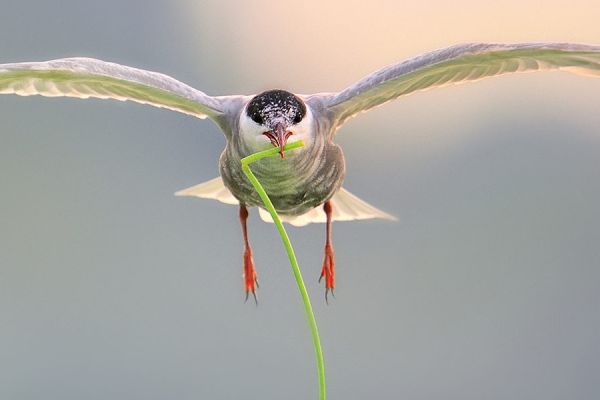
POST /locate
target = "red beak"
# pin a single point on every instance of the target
(279, 131)
(278, 136)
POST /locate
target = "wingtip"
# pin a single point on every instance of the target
(386, 216)
(181, 193)
(390, 217)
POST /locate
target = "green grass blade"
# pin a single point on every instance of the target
(292, 257)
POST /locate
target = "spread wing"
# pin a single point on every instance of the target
(87, 77)
(458, 64)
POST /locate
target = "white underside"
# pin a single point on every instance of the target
(346, 206)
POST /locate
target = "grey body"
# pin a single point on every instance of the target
(311, 175)
(296, 183)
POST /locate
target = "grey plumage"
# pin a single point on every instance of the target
(458, 64)
(297, 183)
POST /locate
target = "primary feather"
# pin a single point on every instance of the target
(87, 77)
(458, 64)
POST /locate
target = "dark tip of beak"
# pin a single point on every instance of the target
(281, 136)
(278, 137)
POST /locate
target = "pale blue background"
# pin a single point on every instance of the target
(486, 288)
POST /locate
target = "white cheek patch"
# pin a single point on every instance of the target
(302, 130)
(261, 142)
(295, 138)
(252, 134)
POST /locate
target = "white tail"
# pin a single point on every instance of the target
(346, 206)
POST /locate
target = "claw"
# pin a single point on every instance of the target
(327, 291)
(253, 295)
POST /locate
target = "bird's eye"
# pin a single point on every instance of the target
(297, 119)
(256, 117)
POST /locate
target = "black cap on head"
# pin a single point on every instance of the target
(275, 104)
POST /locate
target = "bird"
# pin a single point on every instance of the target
(305, 185)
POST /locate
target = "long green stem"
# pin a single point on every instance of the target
(290, 252)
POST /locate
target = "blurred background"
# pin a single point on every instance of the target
(486, 287)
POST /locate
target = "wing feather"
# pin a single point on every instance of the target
(86, 77)
(458, 64)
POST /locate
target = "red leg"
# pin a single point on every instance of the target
(250, 278)
(328, 270)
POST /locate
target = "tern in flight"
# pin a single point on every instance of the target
(305, 185)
